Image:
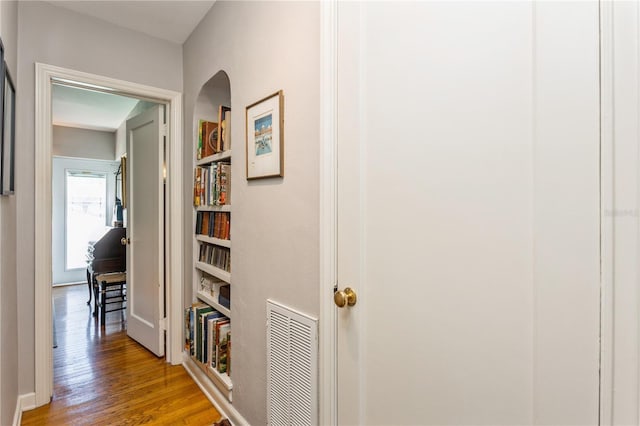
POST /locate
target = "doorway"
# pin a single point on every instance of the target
(46, 76)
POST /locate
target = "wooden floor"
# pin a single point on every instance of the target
(102, 377)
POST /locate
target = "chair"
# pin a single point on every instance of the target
(109, 289)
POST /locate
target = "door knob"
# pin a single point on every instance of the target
(124, 241)
(345, 297)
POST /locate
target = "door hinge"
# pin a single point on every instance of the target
(163, 130)
(163, 324)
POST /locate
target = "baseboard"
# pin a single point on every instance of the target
(23, 403)
(212, 393)
(70, 284)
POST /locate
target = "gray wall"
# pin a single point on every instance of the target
(267, 261)
(60, 165)
(60, 37)
(83, 143)
(8, 226)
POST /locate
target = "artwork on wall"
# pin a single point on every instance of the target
(265, 137)
(8, 133)
(6, 143)
(123, 187)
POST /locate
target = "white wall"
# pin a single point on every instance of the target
(279, 260)
(60, 165)
(56, 36)
(83, 143)
(9, 359)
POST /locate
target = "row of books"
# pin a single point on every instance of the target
(214, 224)
(217, 256)
(208, 337)
(216, 289)
(214, 137)
(212, 184)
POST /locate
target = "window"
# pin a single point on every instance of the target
(86, 214)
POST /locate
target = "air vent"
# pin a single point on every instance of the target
(292, 367)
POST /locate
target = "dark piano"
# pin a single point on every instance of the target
(108, 254)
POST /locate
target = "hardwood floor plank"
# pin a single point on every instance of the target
(102, 377)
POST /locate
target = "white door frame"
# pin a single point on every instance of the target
(43, 226)
(328, 383)
(606, 220)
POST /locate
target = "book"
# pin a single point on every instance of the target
(222, 134)
(213, 185)
(204, 230)
(199, 143)
(187, 329)
(224, 297)
(222, 344)
(206, 335)
(210, 137)
(212, 348)
(229, 353)
(199, 339)
(192, 325)
(216, 356)
(197, 175)
(224, 183)
(226, 137)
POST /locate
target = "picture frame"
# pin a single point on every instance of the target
(123, 170)
(265, 137)
(7, 174)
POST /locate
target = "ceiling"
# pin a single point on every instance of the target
(88, 109)
(172, 20)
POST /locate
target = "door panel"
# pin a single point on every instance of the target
(436, 231)
(145, 229)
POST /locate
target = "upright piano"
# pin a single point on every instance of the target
(108, 254)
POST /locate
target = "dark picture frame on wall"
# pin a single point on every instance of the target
(8, 133)
(6, 154)
(265, 137)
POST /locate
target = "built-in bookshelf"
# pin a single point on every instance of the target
(208, 317)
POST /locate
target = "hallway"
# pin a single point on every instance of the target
(102, 377)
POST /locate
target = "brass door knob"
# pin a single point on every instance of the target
(345, 297)
(124, 241)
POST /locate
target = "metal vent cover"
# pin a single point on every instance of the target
(292, 367)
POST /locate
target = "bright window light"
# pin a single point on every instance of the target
(86, 214)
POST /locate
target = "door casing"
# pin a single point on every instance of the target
(45, 75)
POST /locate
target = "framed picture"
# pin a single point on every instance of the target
(8, 134)
(265, 137)
(123, 170)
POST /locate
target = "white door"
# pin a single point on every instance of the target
(475, 270)
(145, 229)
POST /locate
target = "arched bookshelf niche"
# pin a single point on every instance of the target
(208, 315)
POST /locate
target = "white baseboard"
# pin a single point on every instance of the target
(23, 403)
(212, 393)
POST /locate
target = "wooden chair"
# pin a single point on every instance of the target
(109, 289)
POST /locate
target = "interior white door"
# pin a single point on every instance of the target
(145, 229)
(437, 192)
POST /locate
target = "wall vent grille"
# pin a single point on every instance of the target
(292, 367)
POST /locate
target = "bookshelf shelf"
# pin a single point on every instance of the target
(206, 298)
(223, 208)
(216, 241)
(222, 381)
(216, 272)
(208, 326)
(222, 156)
